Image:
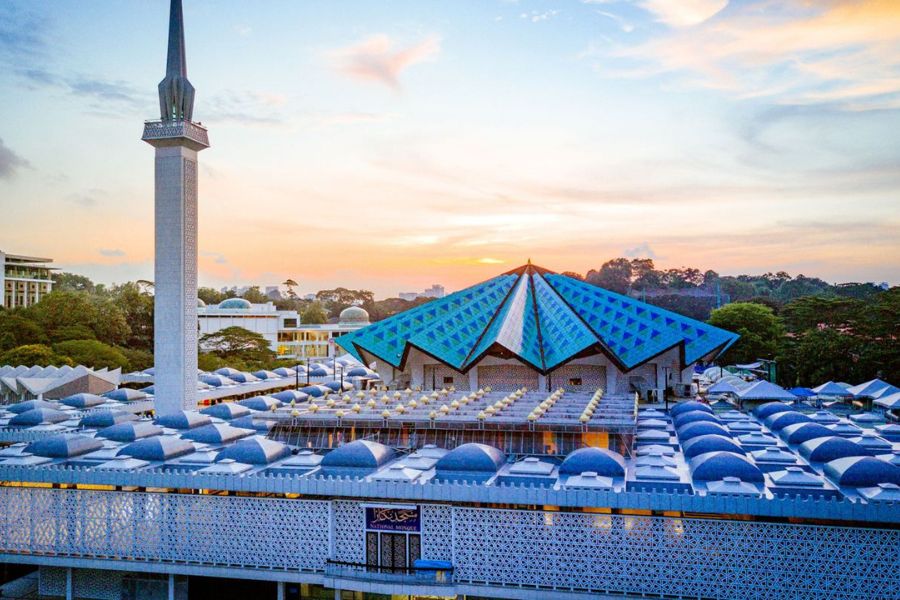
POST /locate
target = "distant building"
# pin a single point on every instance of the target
(24, 279)
(272, 292)
(287, 336)
(435, 291)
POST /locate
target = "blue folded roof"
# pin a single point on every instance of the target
(542, 318)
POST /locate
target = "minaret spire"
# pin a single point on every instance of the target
(176, 94)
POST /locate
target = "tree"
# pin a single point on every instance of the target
(16, 330)
(92, 353)
(254, 296)
(136, 303)
(614, 275)
(34, 355)
(574, 275)
(110, 322)
(340, 298)
(138, 360)
(70, 282)
(757, 325)
(238, 343)
(210, 296)
(73, 332)
(290, 284)
(314, 314)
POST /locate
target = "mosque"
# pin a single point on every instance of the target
(510, 457)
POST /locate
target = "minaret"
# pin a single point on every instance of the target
(177, 140)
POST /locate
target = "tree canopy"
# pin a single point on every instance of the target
(759, 328)
(237, 343)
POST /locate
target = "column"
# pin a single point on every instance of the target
(279, 587)
(171, 586)
(70, 594)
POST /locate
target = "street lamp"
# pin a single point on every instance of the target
(666, 387)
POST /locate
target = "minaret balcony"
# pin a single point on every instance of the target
(176, 132)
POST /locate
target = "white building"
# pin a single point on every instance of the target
(287, 336)
(435, 291)
(24, 279)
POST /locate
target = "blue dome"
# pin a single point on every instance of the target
(64, 445)
(802, 432)
(248, 422)
(129, 432)
(260, 403)
(683, 407)
(21, 407)
(288, 395)
(693, 416)
(358, 372)
(826, 449)
(201, 303)
(710, 443)
(862, 471)
(83, 400)
(218, 433)
(226, 411)
(316, 391)
(255, 451)
(353, 315)
(692, 430)
(125, 395)
(715, 466)
(471, 458)
(779, 421)
(38, 416)
(601, 461)
(235, 304)
(158, 448)
(359, 454)
(763, 411)
(183, 419)
(106, 418)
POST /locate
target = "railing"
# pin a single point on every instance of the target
(406, 575)
(156, 130)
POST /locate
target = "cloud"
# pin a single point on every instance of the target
(217, 257)
(683, 12)
(846, 54)
(642, 250)
(378, 59)
(21, 34)
(111, 252)
(87, 199)
(10, 162)
(105, 96)
(536, 16)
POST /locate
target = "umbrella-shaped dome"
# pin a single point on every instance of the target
(266, 375)
(690, 405)
(710, 443)
(22, 407)
(125, 395)
(65, 445)
(693, 416)
(106, 418)
(889, 401)
(826, 449)
(248, 422)
(722, 387)
(243, 378)
(353, 315)
(38, 416)
(287, 396)
(715, 466)
(802, 432)
(601, 461)
(779, 421)
(862, 472)
(802, 392)
(161, 447)
(764, 411)
(235, 304)
(260, 403)
(254, 451)
(869, 389)
(218, 433)
(216, 380)
(319, 371)
(692, 430)
(359, 454)
(471, 458)
(83, 400)
(130, 431)
(286, 372)
(542, 318)
(226, 411)
(183, 419)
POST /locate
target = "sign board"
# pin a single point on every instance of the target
(393, 518)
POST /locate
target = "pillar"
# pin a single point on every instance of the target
(70, 592)
(171, 586)
(279, 587)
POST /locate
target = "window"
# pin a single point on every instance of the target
(575, 381)
(448, 380)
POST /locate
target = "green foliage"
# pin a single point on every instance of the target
(136, 305)
(314, 314)
(237, 343)
(340, 298)
(70, 282)
(254, 295)
(138, 360)
(207, 361)
(34, 354)
(210, 296)
(614, 275)
(759, 328)
(16, 330)
(73, 332)
(92, 353)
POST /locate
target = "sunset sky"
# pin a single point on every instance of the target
(392, 145)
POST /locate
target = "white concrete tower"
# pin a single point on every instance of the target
(177, 140)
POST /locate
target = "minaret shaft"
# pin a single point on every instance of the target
(177, 141)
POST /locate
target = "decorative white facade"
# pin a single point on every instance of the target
(24, 279)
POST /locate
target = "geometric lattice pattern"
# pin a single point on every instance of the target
(679, 557)
(349, 532)
(90, 584)
(437, 534)
(216, 531)
(542, 318)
